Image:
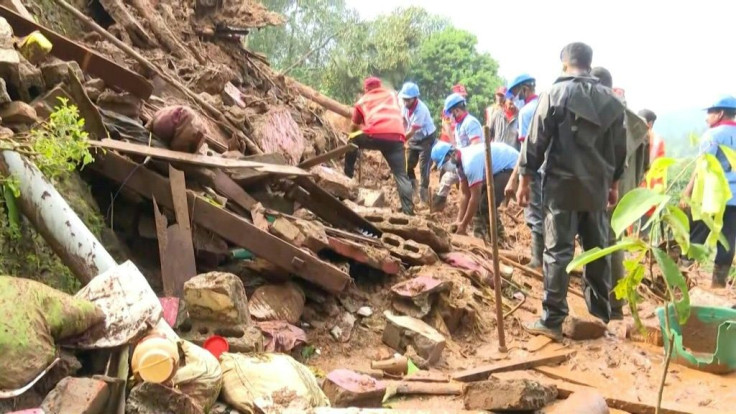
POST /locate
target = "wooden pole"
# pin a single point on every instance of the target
(494, 241)
(320, 99)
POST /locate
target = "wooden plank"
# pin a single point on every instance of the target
(336, 153)
(90, 62)
(223, 223)
(165, 258)
(196, 159)
(483, 372)
(180, 242)
(93, 123)
(230, 189)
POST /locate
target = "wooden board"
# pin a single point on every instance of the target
(336, 153)
(483, 372)
(90, 62)
(93, 123)
(180, 243)
(223, 223)
(196, 159)
(230, 189)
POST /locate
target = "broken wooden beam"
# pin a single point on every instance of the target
(180, 238)
(483, 372)
(223, 223)
(335, 153)
(89, 61)
(422, 388)
(196, 159)
(320, 99)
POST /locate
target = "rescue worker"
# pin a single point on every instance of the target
(578, 134)
(721, 132)
(470, 162)
(636, 165)
(420, 137)
(504, 126)
(499, 105)
(377, 124)
(656, 150)
(447, 174)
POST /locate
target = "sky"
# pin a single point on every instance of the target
(666, 56)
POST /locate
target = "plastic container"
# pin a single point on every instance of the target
(217, 345)
(706, 342)
(155, 359)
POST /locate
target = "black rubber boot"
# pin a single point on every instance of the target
(537, 250)
(720, 276)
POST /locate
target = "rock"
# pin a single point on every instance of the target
(4, 97)
(18, 113)
(365, 312)
(6, 133)
(508, 395)
(46, 104)
(10, 69)
(150, 398)
(94, 88)
(77, 395)
(583, 328)
(122, 103)
(217, 297)
(409, 251)
(67, 366)
(31, 84)
(407, 227)
(402, 331)
(650, 332)
(582, 402)
(375, 257)
(344, 328)
(371, 198)
(6, 35)
(283, 302)
(335, 183)
(56, 71)
(346, 388)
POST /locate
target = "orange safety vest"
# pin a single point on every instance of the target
(382, 113)
(656, 150)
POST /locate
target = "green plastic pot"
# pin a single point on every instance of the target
(706, 342)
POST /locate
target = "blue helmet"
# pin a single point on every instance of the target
(451, 101)
(724, 102)
(523, 78)
(439, 152)
(409, 90)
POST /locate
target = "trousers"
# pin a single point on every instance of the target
(419, 153)
(481, 221)
(393, 153)
(699, 233)
(560, 229)
(534, 213)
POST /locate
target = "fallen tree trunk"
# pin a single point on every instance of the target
(320, 99)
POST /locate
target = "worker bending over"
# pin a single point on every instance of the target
(420, 137)
(722, 132)
(470, 163)
(447, 135)
(377, 118)
(578, 134)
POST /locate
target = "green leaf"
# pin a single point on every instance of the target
(596, 253)
(627, 286)
(679, 224)
(699, 252)
(676, 284)
(633, 206)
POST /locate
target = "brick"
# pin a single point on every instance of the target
(408, 227)
(371, 198)
(583, 328)
(18, 113)
(402, 331)
(150, 398)
(415, 297)
(374, 257)
(56, 71)
(335, 183)
(508, 395)
(582, 402)
(77, 395)
(409, 251)
(315, 238)
(217, 297)
(346, 388)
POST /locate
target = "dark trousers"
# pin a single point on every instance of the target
(419, 153)
(481, 220)
(560, 229)
(393, 152)
(534, 212)
(699, 233)
(617, 270)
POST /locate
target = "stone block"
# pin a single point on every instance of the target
(371, 198)
(582, 402)
(402, 331)
(335, 183)
(410, 228)
(583, 328)
(346, 388)
(45, 104)
(77, 395)
(508, 395)
(18, 113)
(31, 83)
(7, 40)
(4, 96)
(150, 398)
(375, 257)
(409, 251)
(217, 297)
(284, 302)
(240, 338)
(56, 71)
(315, 238)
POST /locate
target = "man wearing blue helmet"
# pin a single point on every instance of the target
(420, 137)
(578, 134)
(722, 132)
(468, 129)
(470, 163)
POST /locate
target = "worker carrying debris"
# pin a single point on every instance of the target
(420, 137)
(470, 163)
(377, 124)
(578, 134)
(721, 119)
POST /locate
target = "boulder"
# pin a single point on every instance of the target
(508, 395)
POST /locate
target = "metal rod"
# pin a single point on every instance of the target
(494, 241)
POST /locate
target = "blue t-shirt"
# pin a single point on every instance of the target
(420, 118)
(525, 117)
(473, 161)
(711, 141)
(466, 130)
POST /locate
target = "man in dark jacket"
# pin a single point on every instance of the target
(578, 134)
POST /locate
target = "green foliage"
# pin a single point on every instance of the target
(633, 206)
(676, 284)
